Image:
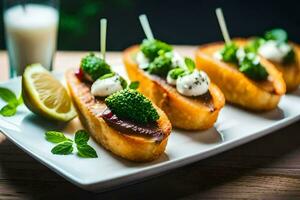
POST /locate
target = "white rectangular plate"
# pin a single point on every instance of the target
(234, 127)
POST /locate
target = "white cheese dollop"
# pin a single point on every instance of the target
(106, 87)
(194, 84)
(171, 80)
(142, 60)
(274, 52)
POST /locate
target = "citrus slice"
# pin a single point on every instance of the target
(46, 96)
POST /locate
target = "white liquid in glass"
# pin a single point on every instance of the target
(31, 35)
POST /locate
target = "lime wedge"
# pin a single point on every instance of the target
(46, 96)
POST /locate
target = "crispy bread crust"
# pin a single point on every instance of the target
(131, 147)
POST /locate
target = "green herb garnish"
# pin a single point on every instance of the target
(175, 73)
(161, 65)
(81, 137)
(134, 85)
(86, 151)
(278, 35)
(254, 45)
(132, 105)
(228, 53)
(252, 69)
(65, 145)
(94, 66)
(63, 148)
(55, 137)
(248, 64)
(109, 75)
(150, 48)
(190, 64)
(12, 101)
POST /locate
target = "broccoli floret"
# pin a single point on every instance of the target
(161, 65)
(229, 53)
(150, 48)
(254, 45)
(253, 69)
(132, 105)
(94, 66)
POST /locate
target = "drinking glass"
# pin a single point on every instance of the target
(30, 32)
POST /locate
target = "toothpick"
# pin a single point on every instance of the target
(223, 26)
(146, 27)
(103, 27)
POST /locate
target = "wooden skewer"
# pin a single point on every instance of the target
(223, 26)
(103, 27)
(146, 27)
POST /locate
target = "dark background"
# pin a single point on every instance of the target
(174, 21)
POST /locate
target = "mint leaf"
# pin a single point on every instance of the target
(134, 85)
(81, 137)
(175, 73)
(8, 110)
(86, 151)
(63, 148)
(7, 95)
(190, 64)
(55, 136)
(109, 75)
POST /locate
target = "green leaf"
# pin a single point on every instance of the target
(55, 136)
(7, 95)
(190, 64)
(8, 110)
(278, 34)
(134, 85)
(228, 53)
(86, 151)
(175, 73)
(105, 76)
(63, 148)
(123, 82)
(81, 137)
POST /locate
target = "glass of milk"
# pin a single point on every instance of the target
(31, 32)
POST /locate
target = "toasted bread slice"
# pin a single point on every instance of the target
(183, 112)
(238, 88)
(132, 147)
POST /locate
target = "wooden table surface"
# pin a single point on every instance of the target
(267, 168)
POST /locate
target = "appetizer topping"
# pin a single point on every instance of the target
(248, 62)
(193, 84)
(150, 48)
(108, 84)
(128, 127)
(162, 64)
(94, 67)
(142, 60)
(132, 105)
(228, 53)
(250, 65)
(173, 75)
(274, 51)
(178, 60)
(273, 46)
